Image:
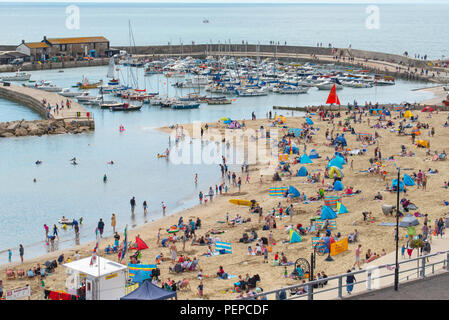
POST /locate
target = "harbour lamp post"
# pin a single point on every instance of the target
(396, 269)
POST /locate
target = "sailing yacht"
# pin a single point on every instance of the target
(112, 73)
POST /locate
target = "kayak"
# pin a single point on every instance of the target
(241, 202)
(161, 155)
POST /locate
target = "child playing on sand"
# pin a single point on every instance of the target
(200, 288)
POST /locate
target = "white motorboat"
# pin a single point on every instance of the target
(293, 90)
(69, 94)
(18, 76)
(50, 88)
(327, 85)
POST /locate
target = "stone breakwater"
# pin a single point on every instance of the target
(21, 128)
(67, 120)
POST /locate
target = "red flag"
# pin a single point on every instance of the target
(333, 98)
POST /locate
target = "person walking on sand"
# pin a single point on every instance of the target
(113, 222)
(21, 252)
(100, 227)
(158, 236)
(145, 206)
(133, 204)
(173, 252)
(357, 257)
(239, 183)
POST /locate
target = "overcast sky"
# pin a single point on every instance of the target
(242, 1)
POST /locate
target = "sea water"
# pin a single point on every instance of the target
(419, 28)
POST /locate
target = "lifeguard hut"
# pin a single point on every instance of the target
(103, 280)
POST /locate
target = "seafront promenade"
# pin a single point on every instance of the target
(74, 119)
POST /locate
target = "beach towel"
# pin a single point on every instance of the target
(140, 272)
(223, 247)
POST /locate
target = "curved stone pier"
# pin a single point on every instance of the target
(67, 119)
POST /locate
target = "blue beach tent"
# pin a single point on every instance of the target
(309, 121)
(302, 172)
(314, 154)
(395, 184)
(305, 159)
(327, 213)
(293, 191)
(338, 186)
(408, 181)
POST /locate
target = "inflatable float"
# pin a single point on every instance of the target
(161, 155)
(241, 202)
(173, 229)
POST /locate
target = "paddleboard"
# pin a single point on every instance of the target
(241, 202)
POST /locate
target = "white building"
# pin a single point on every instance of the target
(104, 280)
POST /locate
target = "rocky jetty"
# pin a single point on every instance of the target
(23, 128)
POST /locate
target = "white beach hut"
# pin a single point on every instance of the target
(104, 280)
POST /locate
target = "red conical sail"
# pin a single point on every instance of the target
(333, 98)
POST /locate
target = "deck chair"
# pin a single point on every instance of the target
(20, 274)
(10, 274)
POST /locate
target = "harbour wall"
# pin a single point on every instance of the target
(279, 50)
(73, 120)
(55, 65)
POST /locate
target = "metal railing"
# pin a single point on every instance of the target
(419, 271)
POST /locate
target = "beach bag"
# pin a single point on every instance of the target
(222, 251)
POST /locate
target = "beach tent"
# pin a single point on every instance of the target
(427, 109)
(386, 112)
(305, 159)
(327, 213)
(281, 119)
(309, 121)
(278, 191)
(341, 140)
(341, 208)
(294, 150)
(395, 183)
(314, 154)
(338, 186)
(422, 143)
(223, 247)
(335, 162)
(408, 220)
(331, 201)
(416, 131)
(294, 236)
(408, 181)
(302, 172)
(148, 291)
(293, 191)
(335, 172)
(296, 131)
(139, 245)
(408, 114)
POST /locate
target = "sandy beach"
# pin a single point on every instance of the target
(371, 235)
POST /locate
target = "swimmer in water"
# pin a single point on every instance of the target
(111, 162)
(73, 159)
(38, 162)
(34, 180)
(105, 178)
